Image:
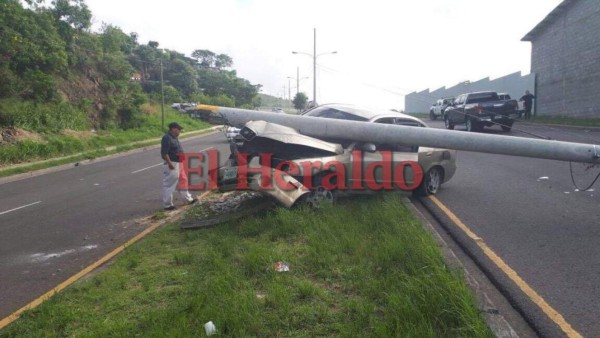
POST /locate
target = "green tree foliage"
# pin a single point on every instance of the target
(50, 60)
(204, 57)
(223, 61)
(300, 101)
(30, 50)
(182, 76)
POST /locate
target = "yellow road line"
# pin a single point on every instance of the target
(554, 315)
(35, 303)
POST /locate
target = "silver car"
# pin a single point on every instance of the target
(288, 145)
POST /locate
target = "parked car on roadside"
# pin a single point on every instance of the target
(287, 144)
(476, 110)
(521, 104)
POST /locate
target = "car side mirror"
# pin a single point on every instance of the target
(369, 147)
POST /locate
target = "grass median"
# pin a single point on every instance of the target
(363, 267)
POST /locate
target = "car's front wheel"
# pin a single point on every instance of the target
(432, 116)
(449, 125)
(431, 182)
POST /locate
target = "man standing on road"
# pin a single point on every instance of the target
(527, 103)
(170, 148)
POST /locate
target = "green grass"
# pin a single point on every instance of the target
(363, 268)
(88, 155)
(56, 145)
(570, 121)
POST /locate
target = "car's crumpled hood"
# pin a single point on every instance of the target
(289, 135)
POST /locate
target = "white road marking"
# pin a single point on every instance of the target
(156, 165)
(150, 167)
(15, 209)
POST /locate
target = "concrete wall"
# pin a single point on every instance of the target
(513, 84)
(566, 57)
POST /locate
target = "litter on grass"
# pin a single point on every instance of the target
(210, 328)
(281, 266)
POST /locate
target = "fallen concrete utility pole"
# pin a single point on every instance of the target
(429, 137)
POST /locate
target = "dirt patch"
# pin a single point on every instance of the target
(13, 135)
(78, 134)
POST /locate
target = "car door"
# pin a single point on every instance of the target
(380, 165)
(456, 112)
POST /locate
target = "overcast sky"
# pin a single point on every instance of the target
(385, 48)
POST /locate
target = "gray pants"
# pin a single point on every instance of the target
(169, 185)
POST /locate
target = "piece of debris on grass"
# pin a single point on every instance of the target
(220, 208)
(210, 328)
(281, 266)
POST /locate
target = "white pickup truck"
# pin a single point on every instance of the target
(437, 110)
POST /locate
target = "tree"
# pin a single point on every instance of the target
(300, 101)
(223, 61)
(153, 44)
(204, 57)
(182, 76)
(74, 12)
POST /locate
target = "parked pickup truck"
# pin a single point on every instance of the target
(521, 107)
(438, 108)
(476, 110)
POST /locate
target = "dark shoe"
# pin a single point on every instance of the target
(193, 201)
(171, 208)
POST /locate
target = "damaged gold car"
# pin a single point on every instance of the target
(294, 168)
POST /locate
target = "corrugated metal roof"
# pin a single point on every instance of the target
(548, 20)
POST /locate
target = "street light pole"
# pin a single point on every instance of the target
(162, 93)
(314, 56)
(315, 68)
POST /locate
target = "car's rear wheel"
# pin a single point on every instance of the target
(506, 127)
(449, 125)
(431, 182)
(472, 125)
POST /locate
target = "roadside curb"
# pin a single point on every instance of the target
(540, 322)
(495, 321)
(34, 173)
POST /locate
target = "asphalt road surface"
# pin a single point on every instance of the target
(53, 225)
(529, 213)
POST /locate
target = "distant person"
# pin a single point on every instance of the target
(170, 148)
(527, 103)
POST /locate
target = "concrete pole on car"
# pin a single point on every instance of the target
(428, 137)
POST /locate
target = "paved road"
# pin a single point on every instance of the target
(529, 213)
(53, 225)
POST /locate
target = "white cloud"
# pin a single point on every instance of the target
(385, 48)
